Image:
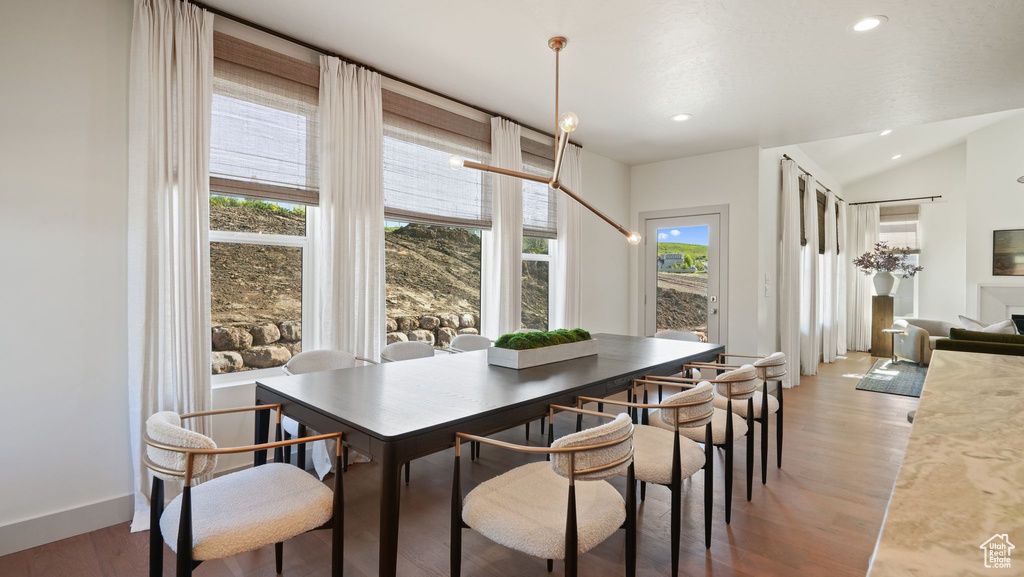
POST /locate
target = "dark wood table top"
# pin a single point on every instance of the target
(392, 401)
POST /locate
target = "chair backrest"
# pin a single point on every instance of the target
(165, 427)
(741, 382)
(319, 360)
(465, 343)
(771, 367)
(696, 410)
(406, 351)
(620, 429)
(528, 331)
(688, 336)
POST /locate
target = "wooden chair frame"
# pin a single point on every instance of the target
(571, 533)
(185, 564)
(729, 437)
(675, 485)
(763, 420)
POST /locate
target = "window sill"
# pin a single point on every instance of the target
(247, 378)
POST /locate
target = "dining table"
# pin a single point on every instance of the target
(399, 411)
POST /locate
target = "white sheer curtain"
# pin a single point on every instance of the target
(503, 267)
(810, 338)
(830, 284)
(168, 304)
(862, 238)
(842, 270)
(565, 313)
(350, 263)
(789, 271)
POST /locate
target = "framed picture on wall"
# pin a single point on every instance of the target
(1008, 253)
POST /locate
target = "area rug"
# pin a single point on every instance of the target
(902, 378)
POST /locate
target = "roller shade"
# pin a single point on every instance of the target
(419, 185)
(898, 226)
(264, 124)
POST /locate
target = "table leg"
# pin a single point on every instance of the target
(260, 433)
(390, 493)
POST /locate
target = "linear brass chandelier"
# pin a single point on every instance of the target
(564, 124)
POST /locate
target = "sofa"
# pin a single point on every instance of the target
(981, 342)
(921, 338)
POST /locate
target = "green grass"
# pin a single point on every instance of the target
(694, 250)
(256, 205)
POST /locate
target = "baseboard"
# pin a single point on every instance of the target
(30, 533)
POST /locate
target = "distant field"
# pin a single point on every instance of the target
(694, 250)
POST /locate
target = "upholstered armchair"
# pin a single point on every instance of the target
(919, 342)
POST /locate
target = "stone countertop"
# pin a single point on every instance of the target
(962, 479)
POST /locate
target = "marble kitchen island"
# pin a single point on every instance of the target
(962, 478)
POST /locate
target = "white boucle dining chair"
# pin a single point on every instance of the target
(557, 509)
(467, 343)
(314, 362)
(406, 351)
(667, 457)
(238, 512)
(737, 386)
(770, 368)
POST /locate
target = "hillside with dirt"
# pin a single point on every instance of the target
(683, 301)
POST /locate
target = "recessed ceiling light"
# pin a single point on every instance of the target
(885, 132)
(870, 23)
(897, 157)
(681, 117)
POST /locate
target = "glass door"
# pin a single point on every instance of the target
(682, 282)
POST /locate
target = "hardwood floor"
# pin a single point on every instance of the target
(818, 515)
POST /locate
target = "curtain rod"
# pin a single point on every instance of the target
(804, 170)
(931, 198)
(308, 46)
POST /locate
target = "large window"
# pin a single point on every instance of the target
(898, 226)
(264, 185)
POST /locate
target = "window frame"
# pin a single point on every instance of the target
(308, 283)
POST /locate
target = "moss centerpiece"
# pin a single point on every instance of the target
(523, 350)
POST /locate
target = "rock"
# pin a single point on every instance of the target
(290, 330)
(226, 362)
(407, 323)
(231, 338)
(394, 337)
(266, 356)
(450, 320)
(294, 348)
(430, 323)
(476, 320)
(469, 331)
(422, 336)
(466, 320)
(445, 335)
(265, 334)
(392, 325)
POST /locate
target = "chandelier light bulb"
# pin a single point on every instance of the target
(633, 238)
(456, 162)
(568, 121)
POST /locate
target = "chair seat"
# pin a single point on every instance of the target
(525, 509)
(652, 455)
(250, 509)
(740, 407)
(739, 427)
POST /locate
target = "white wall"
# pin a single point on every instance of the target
(942, 227)
(995, 201)
(63, 154)
(605, 254)
(730, 178)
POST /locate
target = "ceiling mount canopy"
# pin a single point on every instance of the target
(564, 124)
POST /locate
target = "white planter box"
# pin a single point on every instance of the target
(545, 355)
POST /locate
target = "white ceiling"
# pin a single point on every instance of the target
(852, 158)
(750, 71)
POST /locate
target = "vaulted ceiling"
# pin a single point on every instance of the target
(752, 72)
